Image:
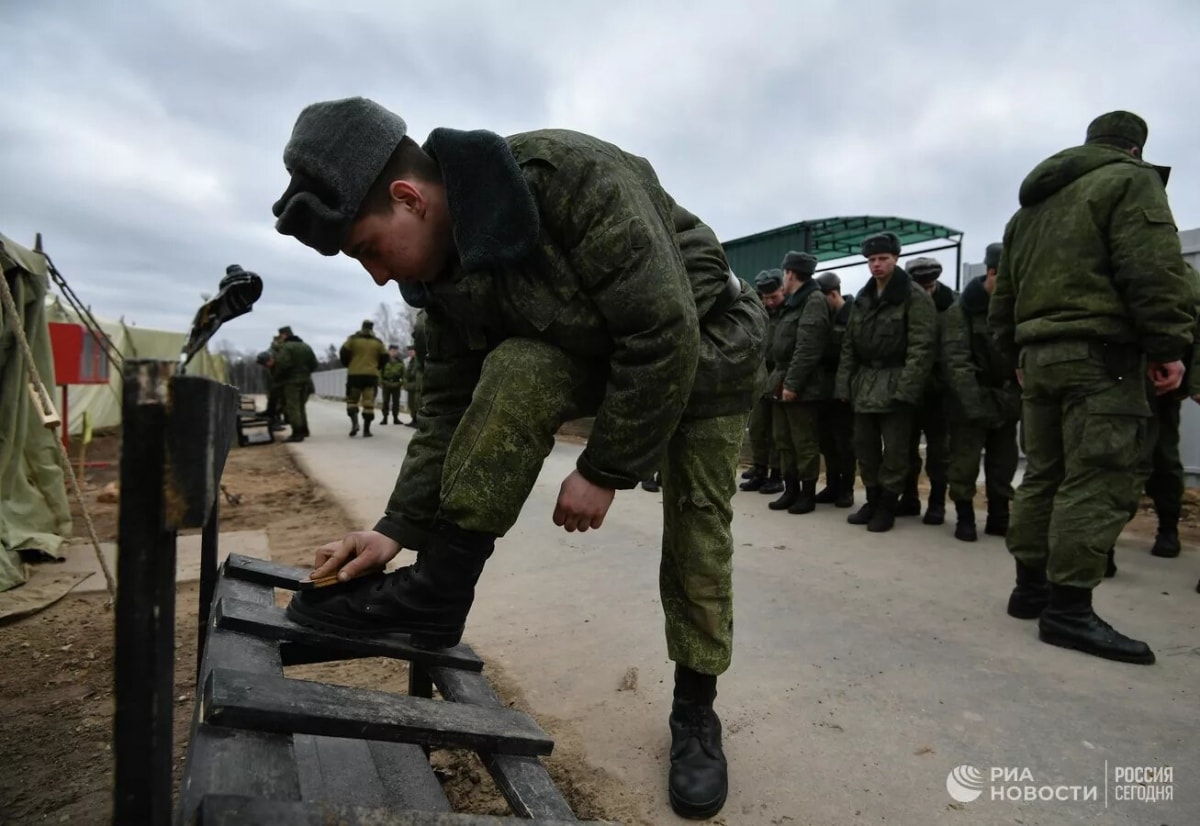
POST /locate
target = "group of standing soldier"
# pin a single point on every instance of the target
(369, 366)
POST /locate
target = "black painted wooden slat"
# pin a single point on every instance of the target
(233, 811)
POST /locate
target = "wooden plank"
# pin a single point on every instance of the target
(395, 776)
(268, 703)
(200, 431)
(272, 623)
(240, 811)
(240, 566)
(523, 781)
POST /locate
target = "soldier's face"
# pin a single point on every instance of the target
(773, 300)
(881, 264)
(989, 281)
(831, 298)
(408, 242)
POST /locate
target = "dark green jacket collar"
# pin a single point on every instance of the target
(896, 292)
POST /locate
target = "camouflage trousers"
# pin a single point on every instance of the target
(998, 445)
(526, 390)
(391, 401)
(275, 407)
(1082, 431)
(1160, 467)
(360, 390)
(931, 420)
(881, 443)
(836, 425)
(762, 435)
(414, 400)
(796, 440)
(295, 396)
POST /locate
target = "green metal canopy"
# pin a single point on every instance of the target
(830, 239)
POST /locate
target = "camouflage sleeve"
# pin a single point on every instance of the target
(451, 372)
(812, 334)
(1148, 268)
(310, 360)
(1001, 318)
(848, 362)
(345, 353)
(957, 370)
(625, 253)
(921, 349)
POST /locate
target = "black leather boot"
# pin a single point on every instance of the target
(367, 419)
(353, 414)
(806, 502)
(910, 501)
(1110, 570)
(964, 527)
(773, 483)
(829, 494)
(652, 485)
(755, 477)
(1032, 594)
(1166, 541)
(884, 518)
(699, 778)
(863, 515)
(997, 518)
(935, 513)
(429, 599)
(1070, 622)
(845, 497)
(791, 492)
(383, 421)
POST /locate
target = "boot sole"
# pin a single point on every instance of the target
(1063, 641)
(694, 811)
(1162, 555)
(427, 638)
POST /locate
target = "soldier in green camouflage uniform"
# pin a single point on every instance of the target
(763, 474)
(1087, 305)
(391, 379)
(836, 422)
(798, 382)
(295, 363)
(887, 355)
(414, 371)
(985, 406)
(275, 407)
(559, 279)
(363, 355)
(931, 411)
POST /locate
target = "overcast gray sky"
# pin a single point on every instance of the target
(144, 139)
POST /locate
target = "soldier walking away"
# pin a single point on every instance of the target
(984, 406)
(1087, 307)
(559, 280)
(363, 355)
(391, 379)
(931, 411)
(763, 474)
(798, 382)
(886, 358)
(836, 419)
(295, 363)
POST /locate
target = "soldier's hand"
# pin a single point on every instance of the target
(1166, 377)
(1020, 377)
(581, 505)
(788, 395)
(357, 553)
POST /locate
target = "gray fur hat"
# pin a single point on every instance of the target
(881, 242)
(924, 270)
(802, 263)
(337, 150)
(829, 281)
(991, 256)
(768, 281)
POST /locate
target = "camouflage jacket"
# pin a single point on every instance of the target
(392, 374)
(981, 380)
(888, 351)
(1093, 253)
(567, 239)
(363, 354)
(295, 362)
(764, 388)
(943, 299)
(837, 334)
(799, 343)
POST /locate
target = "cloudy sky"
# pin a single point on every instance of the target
(144, 139)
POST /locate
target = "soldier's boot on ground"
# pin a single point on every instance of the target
(295, 436)
(863, 515)
(429, 599)
(997, 518)
(353, 414)
(829, 494)
(910, 502)
(277, 425)
(806, 502)
(1166, 541)
(935, 513)
(791, 492)
(1070, 622)
(367, 418)
(383, 420)
(884, 518)
(699, 777)
(1031, 594)
(1110, 569)
(652, 485)
(964, 526)
(755, 477)
(773, 483)
(845, 498)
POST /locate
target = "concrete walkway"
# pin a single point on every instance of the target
(866, 667)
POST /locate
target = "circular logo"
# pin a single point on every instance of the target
(964, 783)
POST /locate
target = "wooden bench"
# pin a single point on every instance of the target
(253, 427)
(266, 749)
